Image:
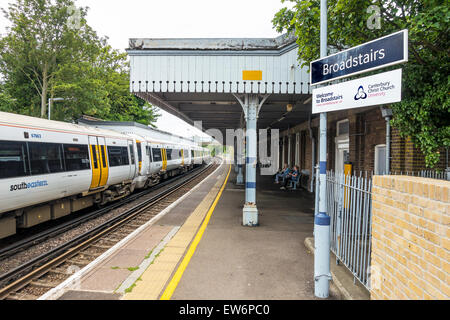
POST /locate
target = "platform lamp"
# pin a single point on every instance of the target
(50, 104)
(386, 113)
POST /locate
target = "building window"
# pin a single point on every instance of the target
(342, 127)
(342, 143)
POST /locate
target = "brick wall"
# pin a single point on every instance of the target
(410, 238)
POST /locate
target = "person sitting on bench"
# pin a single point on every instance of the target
(282, 173)
(291, 176)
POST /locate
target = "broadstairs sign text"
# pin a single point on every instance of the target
(379, 53)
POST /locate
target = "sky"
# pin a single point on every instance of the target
(121, 20)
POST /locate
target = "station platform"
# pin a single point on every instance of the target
(198, 249)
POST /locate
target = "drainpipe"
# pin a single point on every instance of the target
(387, 114)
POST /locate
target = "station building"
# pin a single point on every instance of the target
(207, 80)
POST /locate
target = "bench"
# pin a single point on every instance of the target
(295, 181)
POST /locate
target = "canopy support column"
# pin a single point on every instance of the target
(251, 104)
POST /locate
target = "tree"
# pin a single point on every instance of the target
(40, 40)
(424, 112)
(46, 55)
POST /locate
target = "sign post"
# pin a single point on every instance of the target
(322, 274)
(378, 89)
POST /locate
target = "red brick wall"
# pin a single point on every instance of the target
(367, 129)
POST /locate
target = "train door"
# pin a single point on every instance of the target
(104, 169)
(139, 152)
(182, 157)
(132, 159)
(164, 159)
(96, 164)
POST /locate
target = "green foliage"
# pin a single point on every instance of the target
(42, 57)
(423, 114)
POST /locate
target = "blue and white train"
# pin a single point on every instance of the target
(49, 169)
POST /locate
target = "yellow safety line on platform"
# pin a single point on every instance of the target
(170, 289)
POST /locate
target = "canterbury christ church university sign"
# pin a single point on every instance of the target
(369, 91)
(373, 90)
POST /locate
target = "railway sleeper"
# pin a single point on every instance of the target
(99, 246)
(61, 271)
(44, 284)
(78, 262)
(21, 296)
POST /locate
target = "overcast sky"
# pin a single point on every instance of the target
(121, 20)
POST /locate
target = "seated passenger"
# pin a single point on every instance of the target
(282, 173)
(291, 176)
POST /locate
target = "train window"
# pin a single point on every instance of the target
(169, 154)
(174, 154)
(13, 159)
(149, 154)
(76, 157)
(192, 153)
(94, 156)
(139, 150)
(133, 161)
(156, 154)
(45, 158)
(125, 158)
(103, 153)
(118, 156)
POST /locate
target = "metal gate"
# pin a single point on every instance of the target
(349, 203)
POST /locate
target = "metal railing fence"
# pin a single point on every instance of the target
(349, 204)
(440, 175)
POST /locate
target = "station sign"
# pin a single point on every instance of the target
(373, 90)
(372, 55)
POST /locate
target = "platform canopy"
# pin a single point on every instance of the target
(195, 79)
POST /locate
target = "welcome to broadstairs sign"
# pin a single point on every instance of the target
(378, 89)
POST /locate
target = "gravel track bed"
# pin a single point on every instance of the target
(18, 259)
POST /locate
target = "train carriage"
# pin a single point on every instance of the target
(49, 169)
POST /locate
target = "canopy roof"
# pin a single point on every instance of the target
(195, 79)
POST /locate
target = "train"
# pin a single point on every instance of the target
(50, 169)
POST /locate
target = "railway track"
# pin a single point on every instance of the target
(29, 241)
(35, 277)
